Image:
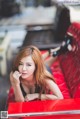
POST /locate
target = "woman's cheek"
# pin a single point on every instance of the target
(19, 69)
(33, 69)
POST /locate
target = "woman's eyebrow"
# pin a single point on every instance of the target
(29, 63)
(26, 62)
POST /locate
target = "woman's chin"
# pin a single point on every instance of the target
(24, 76)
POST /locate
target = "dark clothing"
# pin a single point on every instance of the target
(37, 90)
(23, 92)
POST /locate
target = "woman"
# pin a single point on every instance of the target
(30, 78)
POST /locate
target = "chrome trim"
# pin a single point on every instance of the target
(45, 113)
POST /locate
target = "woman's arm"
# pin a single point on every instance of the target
(56, 93)
(18, 94)
(14, 78)
(31, 97)
(52, 86)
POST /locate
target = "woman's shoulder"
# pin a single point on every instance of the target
(49, 81)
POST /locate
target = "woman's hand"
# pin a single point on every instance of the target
(30, 97)
(14, 78)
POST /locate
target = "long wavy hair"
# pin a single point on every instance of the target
(41, 72)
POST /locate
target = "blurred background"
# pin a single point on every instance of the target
(42, 23)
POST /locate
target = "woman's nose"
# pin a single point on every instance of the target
(24, 67)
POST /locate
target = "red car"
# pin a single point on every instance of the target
(67, 73)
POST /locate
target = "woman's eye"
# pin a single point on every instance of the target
(28, 64)
(20, 64)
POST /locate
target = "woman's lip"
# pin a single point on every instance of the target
(24, 73)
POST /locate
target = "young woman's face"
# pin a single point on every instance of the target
(26, 67)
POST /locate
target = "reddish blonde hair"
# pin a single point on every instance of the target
(41, 72)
